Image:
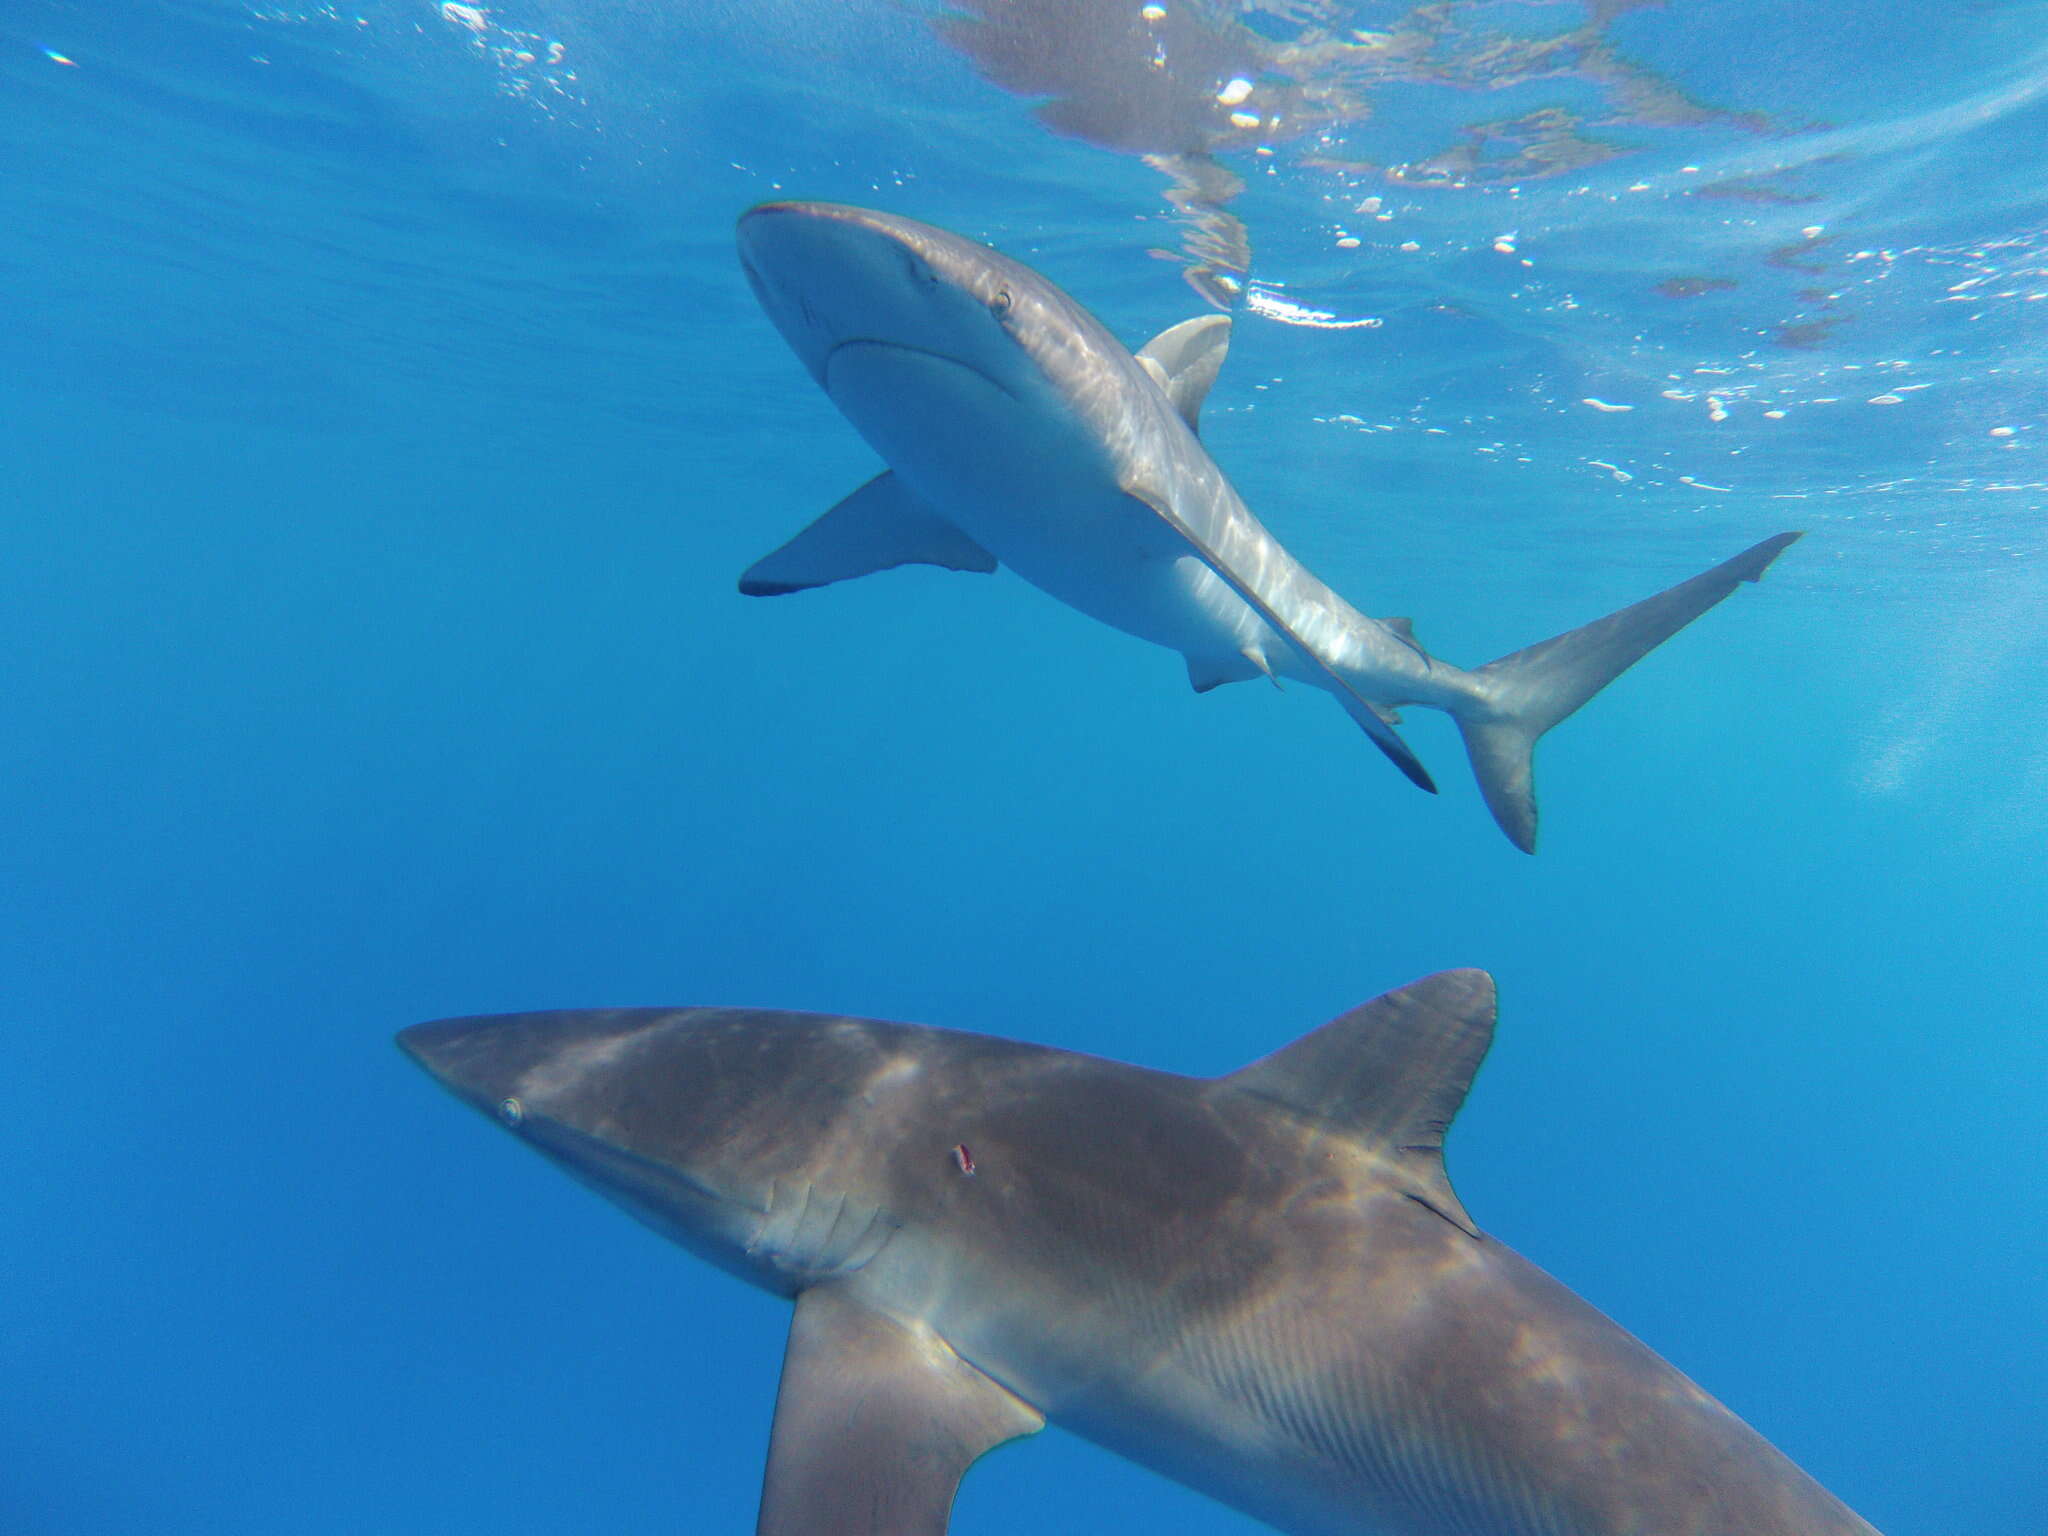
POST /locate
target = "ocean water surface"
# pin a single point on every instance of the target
(384, 421)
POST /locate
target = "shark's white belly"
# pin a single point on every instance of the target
(1033, 485)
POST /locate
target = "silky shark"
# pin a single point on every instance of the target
(1261, 1284)
(1019, 431)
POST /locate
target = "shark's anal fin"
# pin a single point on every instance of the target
(875, 1424)
(1370, 717)
(1184, 360)
(879, 526)
(1391, 1073)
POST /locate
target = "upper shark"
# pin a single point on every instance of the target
(1262, 1285)
(1019, 431)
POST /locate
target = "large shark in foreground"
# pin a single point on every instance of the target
(1260, 1284)
(1019, 431)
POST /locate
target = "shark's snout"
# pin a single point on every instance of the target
(830, 276)
(481, 1060)
(819, 269)
(773, 236)
(492, 1058)
(443, 1045)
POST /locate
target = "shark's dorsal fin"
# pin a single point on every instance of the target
(879, 526)
(875, 1424)
(1391, 1073)
(1184, 360)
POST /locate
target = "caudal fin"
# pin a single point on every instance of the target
(1523, 695)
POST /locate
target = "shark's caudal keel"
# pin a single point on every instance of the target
(1019, 432)
(1261, 1284)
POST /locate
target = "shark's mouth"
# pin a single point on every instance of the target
(649, 1188)
(867, 346)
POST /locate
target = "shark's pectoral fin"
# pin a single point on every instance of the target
(1375, 721)
(879, 526)
(1392, 1073)
(1184, 359)
(875, 1424)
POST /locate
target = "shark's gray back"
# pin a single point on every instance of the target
(1255, 1307)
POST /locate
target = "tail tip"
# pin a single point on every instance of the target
(1758, 557)
(1518, 821)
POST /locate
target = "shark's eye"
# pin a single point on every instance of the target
(999, 306)
(511, 1111)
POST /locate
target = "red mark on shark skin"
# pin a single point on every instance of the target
(963, 1159)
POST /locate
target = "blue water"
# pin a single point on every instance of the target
(384, 422)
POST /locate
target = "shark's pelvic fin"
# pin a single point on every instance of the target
(1370, 717)
(1184, 360)
(875, 1424)
(879, 526)
(1392, 1073)
(1206, 672)
(1524, 694)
